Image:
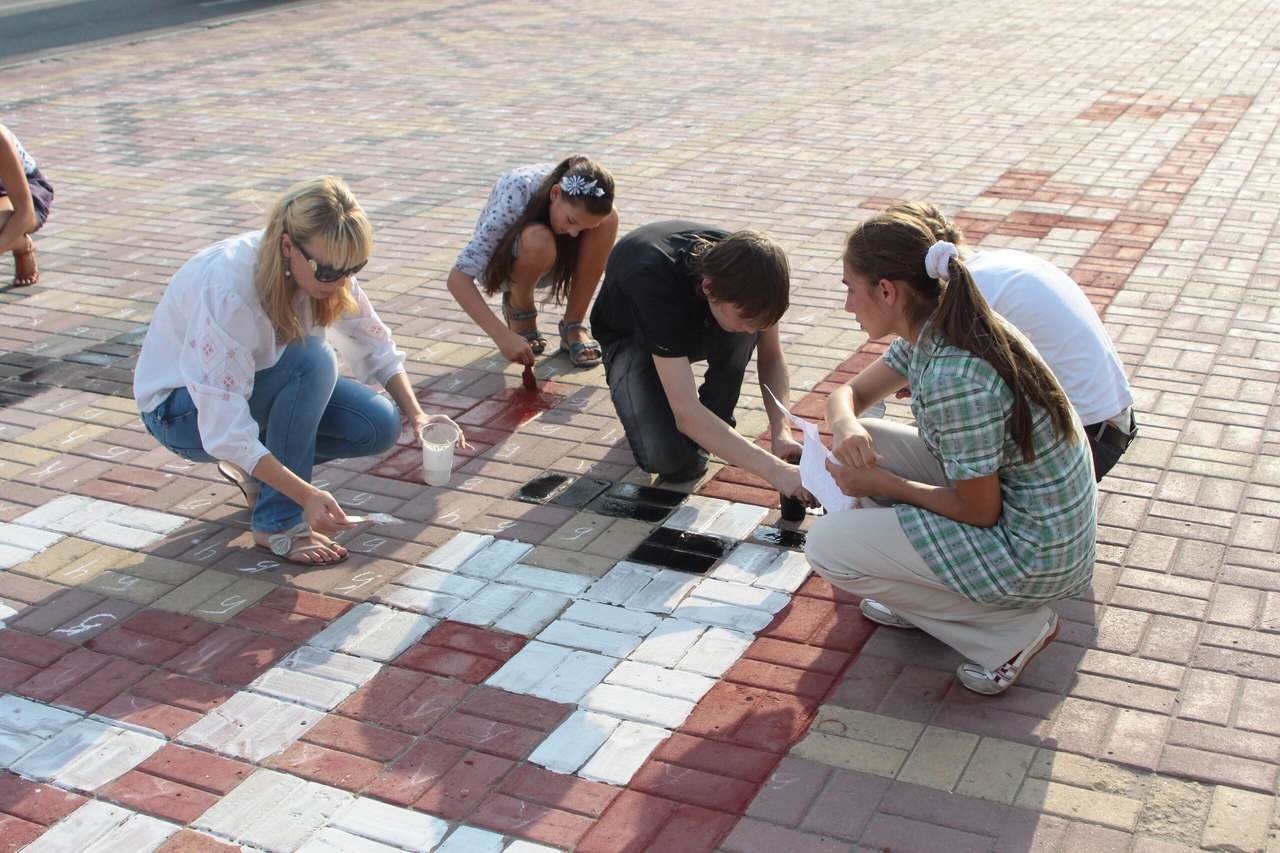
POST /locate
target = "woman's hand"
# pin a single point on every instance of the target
(514, 346)
(856, 449)
(323, 513)
(423, 420)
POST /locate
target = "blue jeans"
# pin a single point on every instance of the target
(642, 405)
(306, 414)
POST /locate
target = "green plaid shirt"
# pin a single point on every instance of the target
(1042, 547)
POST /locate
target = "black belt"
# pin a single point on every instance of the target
(1111, 435)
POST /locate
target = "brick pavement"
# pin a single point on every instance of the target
(495, 674)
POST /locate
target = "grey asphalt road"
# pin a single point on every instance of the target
(33, 28)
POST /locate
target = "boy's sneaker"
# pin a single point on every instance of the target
(989, 682)
(881, 615)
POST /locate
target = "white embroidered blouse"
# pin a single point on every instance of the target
(210, 334)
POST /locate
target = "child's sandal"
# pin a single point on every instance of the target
(577, 348)
(535, 338)
(24, 266)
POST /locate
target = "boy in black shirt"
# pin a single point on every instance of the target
(679, 292)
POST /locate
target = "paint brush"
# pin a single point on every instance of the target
(530, 382)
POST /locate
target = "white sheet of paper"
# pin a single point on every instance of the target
(814, 475)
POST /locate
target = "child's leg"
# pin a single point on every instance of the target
(646, 416)
(535, 255)
(594, 246)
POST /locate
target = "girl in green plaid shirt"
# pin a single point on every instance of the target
(977, 518)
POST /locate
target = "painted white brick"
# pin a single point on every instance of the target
(489, 605)
(620, 583)
(468, 839)
(120, 536)
(725, 615)
(746, 564)
(578, 636)
(438, 580)
(737, 595)
(534, 612)
(11, 556)
(402, 828)
(623, 753)
(575, 675)
(49, 516)
(786, 573)
(97, 827)
(28, 538)
(457, 550)
(550, 580)
(14, 745)
(273, 811)
(373, 631)
(33, 718)
(663, 592)
(737, 521)
(87, 755)
(696, 514)
(612, 618)
(251, 726)
(574, 741)
(333, 666)
(714, 652)
(528, 667)
(147, 519)
(661, 681)
(6, 612)
(302, 689)
(495, 558)
(667, 644)
(437, 605)
(628, 703)
(522, 846)
(329, 840)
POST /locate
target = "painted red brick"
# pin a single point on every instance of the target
(139, 711)
(170, 626)
(751, 717)
(16, 833)
(819, 587)
(190, 841)
(426, 706)
(413, 773)
(27, 648)
(160, 797)
(141, 648)
(209, 651)
(57, 678)
(820, 623)
(37, 802)
(328, 766)
(538, 785)
(464, 785)
(196, 769)
(449, 663)
(250, 660)
(183, 692)
(289, 626)
(362, 739)
(714, 756)
(477, 641)
(305, 603)
(693, 829)
(383, 692)
(528, 711)
(13, 673)
(488, 736)
(105, 684)
(628, 825)
(784, 679)
(685, 785)
(533, 821)
(798, 656)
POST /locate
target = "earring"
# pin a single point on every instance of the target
(288, 273)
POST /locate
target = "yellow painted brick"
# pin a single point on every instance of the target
(996, 771)
(169, 572)
(851, 754)
(195, 592)
(63, 554)
(25, 455)
(872, 728)
(939, 758)
(1112, 810)
(230, 600)
(63, 435)
(127, 587)
(579, 531)
(568, 561)
(1238, 821)
(12, 470)
(620, 539)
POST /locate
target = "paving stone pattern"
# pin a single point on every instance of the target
(550, 652)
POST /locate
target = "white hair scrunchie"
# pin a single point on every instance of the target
(937, 263)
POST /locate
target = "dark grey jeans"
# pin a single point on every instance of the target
(642, 406)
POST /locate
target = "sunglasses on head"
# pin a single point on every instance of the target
(325, 273)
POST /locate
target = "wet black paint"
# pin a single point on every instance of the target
(541, 489)
(782, 538)
(581, 492)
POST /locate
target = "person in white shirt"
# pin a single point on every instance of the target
(239, 366)
(1043, 303)
(545, 227)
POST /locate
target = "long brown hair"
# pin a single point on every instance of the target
(325, 209)
(892, 245)
(498, 270)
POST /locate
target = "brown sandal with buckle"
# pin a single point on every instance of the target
(25, 271)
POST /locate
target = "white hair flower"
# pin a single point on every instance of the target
(575, 185)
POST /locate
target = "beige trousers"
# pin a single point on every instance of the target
(866, 552)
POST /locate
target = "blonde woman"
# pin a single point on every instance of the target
(239, 366)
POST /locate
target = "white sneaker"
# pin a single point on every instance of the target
(881, 615)
(989, 682)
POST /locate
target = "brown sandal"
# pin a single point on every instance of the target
(25, 272)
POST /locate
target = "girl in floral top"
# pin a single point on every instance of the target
(25, 198)
(986, 512)
(544, 227)
(238, 365)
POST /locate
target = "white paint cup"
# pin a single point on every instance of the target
(437, 453)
